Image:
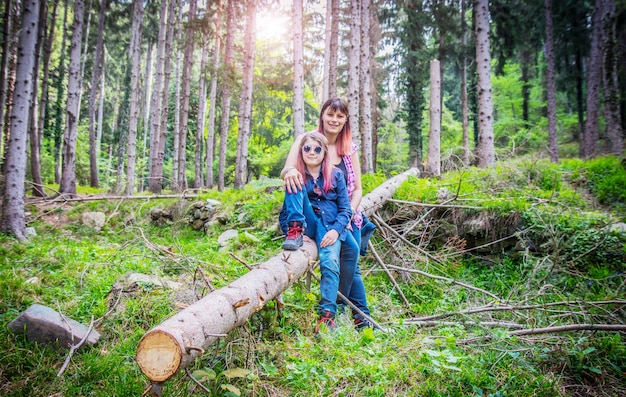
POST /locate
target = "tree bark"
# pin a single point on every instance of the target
(133, 120)
(365, 103)
(210, 143)
(176, 342)
(485, 148)
(434, 138)
(35, 135)
(13, 217)
(464, 101)
(553, 147)
(298, 70)
(354, 68)
(96, 77)
(245, 102)
(198, 181)
(68, 169)
(226, 91)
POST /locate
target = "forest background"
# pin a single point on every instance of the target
(133, 96)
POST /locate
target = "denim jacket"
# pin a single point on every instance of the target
(332, 208)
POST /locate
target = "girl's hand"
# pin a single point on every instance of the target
(293, 180)
(329, 238)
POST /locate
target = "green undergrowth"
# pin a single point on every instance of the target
(570, 252)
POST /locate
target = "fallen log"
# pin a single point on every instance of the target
(176, 342)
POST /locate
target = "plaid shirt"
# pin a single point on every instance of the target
(357, 219)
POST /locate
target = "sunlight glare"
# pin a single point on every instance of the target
(272, 25)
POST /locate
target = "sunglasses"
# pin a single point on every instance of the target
(316, 149)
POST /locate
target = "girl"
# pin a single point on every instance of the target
(321, 210)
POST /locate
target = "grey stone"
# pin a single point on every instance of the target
(225, 237)
(94, 219)
(45, 325)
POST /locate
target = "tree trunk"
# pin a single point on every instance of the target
(68, 168)
(365, 103)
(354, 68)
(4, 72)
(198, 181)
(13, 217)
(434, 139)
(334, 45)
(610, 82)
(186, 93)
(594, 82)
(156, 165)
(464, 101)
(485, 149)
(553, 147)
(60, 89)
(226, 91)
(35, 135)
(245, 103)
(298, 70)
(210, 143)
(96, 76)
(133, 120)
(176, 342)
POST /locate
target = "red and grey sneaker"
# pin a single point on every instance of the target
(360, 323)
(294, 237)
(328, 319)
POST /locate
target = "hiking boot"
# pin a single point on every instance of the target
(361, 323)
(294, 236)
(327, 318)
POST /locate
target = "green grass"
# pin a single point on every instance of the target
(570, 255)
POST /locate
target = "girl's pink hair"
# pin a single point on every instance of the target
(344, 139)
(326, 167)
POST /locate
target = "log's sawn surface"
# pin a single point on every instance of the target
(177, 341)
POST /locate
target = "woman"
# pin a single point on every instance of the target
(320, 211)
(334, 124)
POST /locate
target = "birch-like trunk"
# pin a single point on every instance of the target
(365, 103)
(210, 143)
(354, 68)
(464, 103)
(13, 217)
(226, 91)
(245, 103)
(133, 119)
(155, 183)
(298, 70)
(93, 98)
(434, 137)
(485, 148)
(68, 164)
(198, 181)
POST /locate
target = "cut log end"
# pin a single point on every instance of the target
(159, 355)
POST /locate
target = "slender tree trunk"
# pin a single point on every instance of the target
(93, 98)
(35, 135)
(354, 69)
(210, 143)
(226, 91)
(13, 217)
(144, 155)
(59, 108)
(553, 147)
(434, 138)
(186, 93)
(245, 104)
(610, 81)
(485, 147)
(464, 100)
(155, 184)
(177, 101)
(133, 120)
(201, 120)
(334, 46)
(594, 83)
(68, 168)
(4, 72)
(367, 152)
(174, 6)
(327, 32)
(298, 70)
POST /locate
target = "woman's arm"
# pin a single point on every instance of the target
(357, 194)
(290, 174)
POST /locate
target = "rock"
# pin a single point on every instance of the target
(225, 237)
(44, 325)
(93, 219)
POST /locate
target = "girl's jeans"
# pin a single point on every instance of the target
(351, 282)
(298, 208)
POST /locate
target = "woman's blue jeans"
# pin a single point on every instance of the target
(350, 280)
(298, 208)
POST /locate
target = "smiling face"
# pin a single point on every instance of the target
(333, 121)
(312, 152)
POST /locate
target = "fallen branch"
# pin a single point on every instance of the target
(389, 275)
(433, 323)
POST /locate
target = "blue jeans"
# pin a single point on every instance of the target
(297, 207)
(350, 280)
